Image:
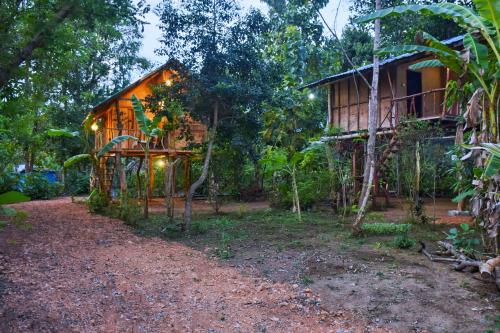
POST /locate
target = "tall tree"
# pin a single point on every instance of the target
(74, 65)
(373, 106)
(198, 34)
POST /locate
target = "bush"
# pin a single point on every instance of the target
(97, 202)
(77, 182)
(37, 186)
(386, 228)
(8, 182)
(403, 241)
(130, 211)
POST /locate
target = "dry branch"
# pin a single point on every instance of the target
(489, 269)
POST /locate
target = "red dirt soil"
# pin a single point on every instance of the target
(77, 272)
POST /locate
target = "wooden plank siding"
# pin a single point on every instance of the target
(117, 118)
(349, 96)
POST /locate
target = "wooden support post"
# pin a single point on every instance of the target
(151, 177)
(121, 176)
(186, 176)
(174, 177)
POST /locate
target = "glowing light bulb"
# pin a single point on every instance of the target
(94, 127)
(311, 96)
(160, 163)
(168, 82)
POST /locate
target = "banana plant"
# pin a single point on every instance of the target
(479, 64)
(150, 130)
(91, 154)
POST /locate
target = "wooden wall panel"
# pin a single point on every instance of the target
(431, 79)
(343, 100)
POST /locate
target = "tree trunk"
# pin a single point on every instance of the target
(123, 180)
(146, 180)
(188, 206)
(138, 177)
(331, 169)
(417, 202)
(372, 130)
(169, 188)
(296, 193)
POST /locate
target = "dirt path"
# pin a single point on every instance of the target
(76, 272)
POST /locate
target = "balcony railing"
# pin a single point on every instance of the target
(425, 105)
(169, 142)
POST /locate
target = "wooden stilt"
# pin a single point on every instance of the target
(187, 178)
(151, 178)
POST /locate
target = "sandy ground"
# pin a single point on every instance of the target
(76, 272)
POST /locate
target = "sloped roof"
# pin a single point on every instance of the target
(106, 102)
(457, 40)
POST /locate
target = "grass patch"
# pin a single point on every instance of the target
(403, 241)
(386, 228)
(306, 280)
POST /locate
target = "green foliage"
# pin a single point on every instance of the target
(108, 146)
(76, 159)
(403, 241)
(97, 202)
(77, 182)
(464, 238)
(37, 186)
(386, 228)
(129, 210)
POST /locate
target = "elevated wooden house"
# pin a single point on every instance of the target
(115, 116)
(403, 94)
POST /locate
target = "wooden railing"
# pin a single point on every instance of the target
(426, 105)
(104, 135)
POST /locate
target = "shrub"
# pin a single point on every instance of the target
(403, 241)
(97, 202)
(464, 238)
(130, 211)
(77, 182)
(37, 186)
(8, 182)
(386, 228)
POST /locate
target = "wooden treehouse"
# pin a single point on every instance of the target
(115, 116)
(404, 94)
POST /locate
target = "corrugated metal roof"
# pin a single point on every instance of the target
(339, 76)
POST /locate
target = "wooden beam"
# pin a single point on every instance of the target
(348, 104)
(338, 102)
(151, 177)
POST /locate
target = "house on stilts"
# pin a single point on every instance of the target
(404, 94)
(115, 116)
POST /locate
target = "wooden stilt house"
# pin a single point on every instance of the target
(403, 94)
(115, 116)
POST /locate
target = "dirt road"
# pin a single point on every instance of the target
(76, 272)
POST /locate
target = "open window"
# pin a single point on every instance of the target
(414, 88)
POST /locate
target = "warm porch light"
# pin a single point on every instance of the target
(168, 82)
(311, 96)
(94, 127)
(160, 163)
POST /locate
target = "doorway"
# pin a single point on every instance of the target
(413, 87)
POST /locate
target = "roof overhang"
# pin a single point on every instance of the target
(171, 64)
(452, 42)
